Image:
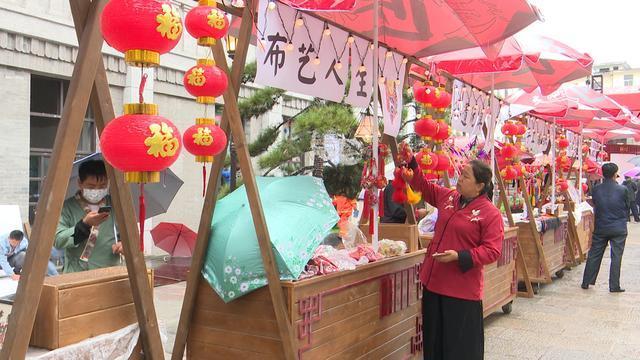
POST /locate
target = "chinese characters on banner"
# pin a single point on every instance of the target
(594, 149)
(300, 53)
(471, 109)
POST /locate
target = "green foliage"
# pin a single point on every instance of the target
(249, 72)
(343, 180)
(264, 140)
(285, 151)
(260, 103)
(328, 118)
(224, 190)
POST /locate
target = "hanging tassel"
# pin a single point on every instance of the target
(142, 216)
(204, 179)
(381, 203)
(143, 82)
(366, 205)
(413, 197)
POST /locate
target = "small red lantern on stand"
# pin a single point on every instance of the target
(206, 23)
(427, 161)
(441, 99)
(205, 81)
(444, 131)
(563, 143)
(141, 29)
(444, 163)
(204, 140)
(426, 128)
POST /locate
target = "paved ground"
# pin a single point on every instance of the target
(564, 322)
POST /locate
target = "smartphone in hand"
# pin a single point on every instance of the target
(104, 209)
(439, 254)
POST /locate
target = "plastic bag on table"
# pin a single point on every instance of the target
(339, 258)
(353, 237)
(428, 223)
(365, 251)
(390, 248)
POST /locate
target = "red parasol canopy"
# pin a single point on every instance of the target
(422, 28)
(176, 239)
(541, 63)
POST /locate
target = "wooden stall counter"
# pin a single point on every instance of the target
(545, 254)
(372, 312)
(584, 229)
(500, 279)
(77, 306)
(408, 233)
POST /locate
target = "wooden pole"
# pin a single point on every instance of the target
(204, 230)
(271, 269)
(49, 206)
(534, 232)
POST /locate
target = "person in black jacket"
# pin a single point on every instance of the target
(633, 189)
(611, 210)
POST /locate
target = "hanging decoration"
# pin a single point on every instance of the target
(402, 192)
(206, 23)
(141, 29)
(141, 143)
(374, 185)
(472, 108)
(206, 81)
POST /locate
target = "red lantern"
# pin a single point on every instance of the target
(509, 173)
(509, 151)
(585, 149)
(205, 81)
(441, 98)
(427, 161)
(585, 188)
(426, 128)
(424, 94)
(521, 129)
(562, 185)
(509, 129)
(563, 162)
(204, 140)
(444, 131)
(206, 23)
(141, 29)
(563, 143)
(444, 163)
(140, 143)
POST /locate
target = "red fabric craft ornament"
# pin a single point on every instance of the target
(602, 155)
(509, 173)
(206, 23)
(205, 81)
(141, 29)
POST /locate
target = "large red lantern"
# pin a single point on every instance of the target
(444, 131)
(140, 143)
(424, 94)
(427, 161)
(205, 81)
(206, 23)
(426, 127)
(141, 29)
(444, 163)
(441, 98)
(563, 143)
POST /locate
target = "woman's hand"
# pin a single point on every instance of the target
(446, 256)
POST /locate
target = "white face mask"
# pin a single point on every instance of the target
(94, 196)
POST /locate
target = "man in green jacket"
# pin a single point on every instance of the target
(86, 230)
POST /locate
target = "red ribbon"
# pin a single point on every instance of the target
(371, 221)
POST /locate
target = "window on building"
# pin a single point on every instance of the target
(47, 99)
(628, 80)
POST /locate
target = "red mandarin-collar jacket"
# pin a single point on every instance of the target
(475, 232)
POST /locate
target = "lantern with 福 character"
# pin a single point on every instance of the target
(205, 81)
(206, 23)
(141, 29)
(427, 161)
(204, 140)
(141, 144)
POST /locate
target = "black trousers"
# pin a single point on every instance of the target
(452, 328)
(617, 240)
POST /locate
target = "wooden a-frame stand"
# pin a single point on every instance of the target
(88, 85)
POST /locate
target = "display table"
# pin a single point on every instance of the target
(407, 233)
(500, 286)
(551, 251)
(372, 312)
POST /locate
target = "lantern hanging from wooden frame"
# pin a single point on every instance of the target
(205, 140)
(206, 23)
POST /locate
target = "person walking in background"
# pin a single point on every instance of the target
(611, 210)
(632, 187)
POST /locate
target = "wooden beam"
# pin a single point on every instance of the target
(503, 194)
(271, 269)
(204, 230)
(55, 188)
(124, 211)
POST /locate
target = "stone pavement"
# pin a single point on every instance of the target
(565, 322)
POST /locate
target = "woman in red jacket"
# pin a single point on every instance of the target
(468, 235)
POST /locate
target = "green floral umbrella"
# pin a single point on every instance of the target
(299, 214)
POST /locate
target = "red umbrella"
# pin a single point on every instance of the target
(176, 239)
(542, 63)
(423, 28)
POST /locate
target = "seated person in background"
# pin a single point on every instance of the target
(88, 236)
(14, 251)
(394, 212)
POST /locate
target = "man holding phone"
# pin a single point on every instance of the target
(86, 230)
